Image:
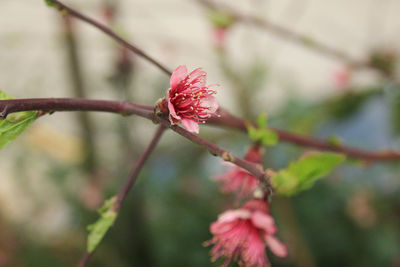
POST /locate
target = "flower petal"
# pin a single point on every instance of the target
(178, 75)
(217, 227)
(264, 221)
(210, 102)
(276, 246)
(253, 253)
(232, 215)
(198, 77)
(173, 117)
(191, 126)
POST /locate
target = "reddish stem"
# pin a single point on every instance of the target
(85, 259)
(231, 121)
(74, 13)
(226, 119)
(121, 107)
(135, 171)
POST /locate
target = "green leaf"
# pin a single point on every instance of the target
(221, 19)
(262, 121)
(262, 134)
(253, 133)
(98, 229)
(301, 175)
(15, 123)
(269, 138)
(335, 141)
(108, 204)
(308, 41)
(50, 3)
(4, 96)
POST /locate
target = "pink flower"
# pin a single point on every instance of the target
(244, 233)
(189, 100)
(342, 77)
(239, 180)
(219, 36)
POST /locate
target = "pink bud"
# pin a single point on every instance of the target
(239, 180)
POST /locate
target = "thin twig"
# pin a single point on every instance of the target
(129, 183)
(72, 12)
(255, 169)
(85, 259)
(135, 171)
(75, 104)
(231, 121)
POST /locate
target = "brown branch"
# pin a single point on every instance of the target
(255, 169)
(74, 104)
(74, 13)
(124, 108)
(135, 171)
(228, 120)
(231, 121)
(85, 259)
(129, 183)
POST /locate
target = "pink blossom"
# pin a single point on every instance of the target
(239, 180)
(342, 77)
(243, 234)
(219, 36)
(189, 100)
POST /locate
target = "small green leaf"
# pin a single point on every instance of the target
(262, 134)
(98, 229)
(108, 204)
(64, 11)
(301, 175)
(269, 138)
(4, 96)
(221, 19)
(50, 3)
(335, 141)
(15, 123)
(262, 121)
(308, 41)
(253, 133)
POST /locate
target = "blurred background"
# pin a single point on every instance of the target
(55, 176)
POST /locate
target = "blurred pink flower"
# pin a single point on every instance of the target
(342, 77)
(219, 36)
(239, 180)
(243, 234)
(189, 100)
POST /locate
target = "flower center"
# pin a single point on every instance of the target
(190, 99)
